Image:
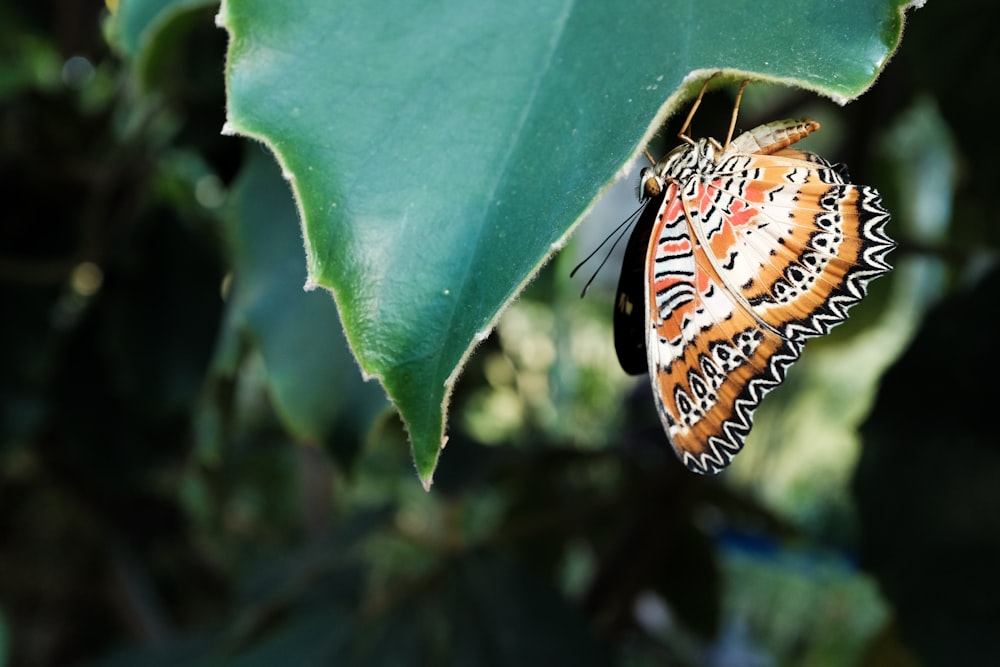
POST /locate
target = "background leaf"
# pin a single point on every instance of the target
(907, 455)
(310, 374)
(440, 152)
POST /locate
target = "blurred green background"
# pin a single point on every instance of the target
(192, 470)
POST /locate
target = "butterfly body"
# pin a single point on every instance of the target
(742, 253)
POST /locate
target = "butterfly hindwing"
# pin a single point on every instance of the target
(711, 362)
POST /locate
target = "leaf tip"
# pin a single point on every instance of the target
(426, 472)
(427, 481)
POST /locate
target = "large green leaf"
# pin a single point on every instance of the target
(441, 151)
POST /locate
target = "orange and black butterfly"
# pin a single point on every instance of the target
(742, 252)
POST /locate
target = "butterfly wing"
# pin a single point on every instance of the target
(711, 362)
(746, 261)
(630, 316)
(794, 241)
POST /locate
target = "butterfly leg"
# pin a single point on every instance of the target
(736, 110)
(682, 135)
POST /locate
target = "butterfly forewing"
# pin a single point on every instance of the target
(748, 255)
(630, 315)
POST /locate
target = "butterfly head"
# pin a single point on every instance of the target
(650, 184)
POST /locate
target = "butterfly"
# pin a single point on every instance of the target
(742, 252)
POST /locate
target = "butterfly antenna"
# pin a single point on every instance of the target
(736, 110)
(620, 230)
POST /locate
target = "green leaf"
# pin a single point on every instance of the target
(319, 636)
(440, 152)
(312, 379)
(147, 32)
(484, 610)
(138, 22)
